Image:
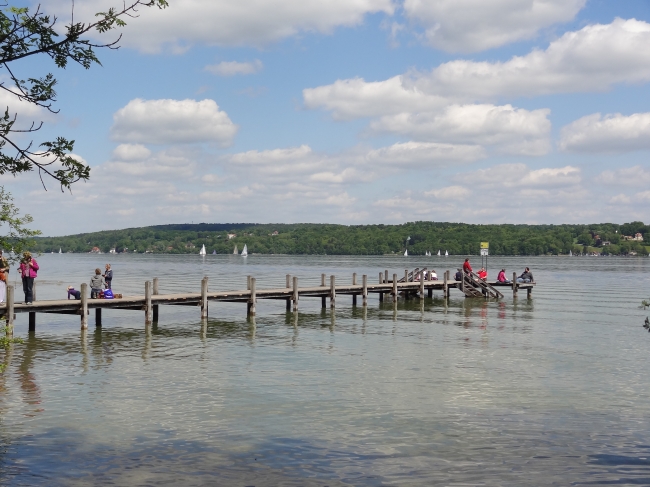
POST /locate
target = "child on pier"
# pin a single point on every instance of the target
(74, 293)
(96, 284)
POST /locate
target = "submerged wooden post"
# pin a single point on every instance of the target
(295, 293)
(381, 281)
(445, 285)
(148, 312)
(323, 299)
(395, 287)
(204, 298)
(252, 299)
(364, 292)
(155, 293)
(98, 317)
(529, 292)
(406, 275)
(514, 284)
(421, 286)
(354, 283)
(332, 291)
(10, 310)
(84, 306)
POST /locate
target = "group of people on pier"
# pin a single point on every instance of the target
(28, 270)
(100, 285)
(525, 277)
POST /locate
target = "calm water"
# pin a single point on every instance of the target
(548, 391)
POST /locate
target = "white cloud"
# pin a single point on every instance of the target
(476, 25)
(131, 152)
(521, 176)
(172, 121)
(626, 176)
(232, 68)
(611, 133)
(425, 154)
(450, 193)
(228, 23)
(515, 130)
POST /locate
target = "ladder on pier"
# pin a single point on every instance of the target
(475, 287)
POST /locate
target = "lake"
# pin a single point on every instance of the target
(548, 391)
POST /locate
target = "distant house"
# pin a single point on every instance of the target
(95, 250)
(638, 237)
(189, 245)
(606, 243)
(170, 248)
(112, 251)
(275, 233)
(231, 236)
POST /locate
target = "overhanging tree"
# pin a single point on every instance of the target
(24, 34)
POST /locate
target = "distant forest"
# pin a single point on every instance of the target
(321, 239)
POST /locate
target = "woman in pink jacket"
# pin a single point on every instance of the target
(28, 269)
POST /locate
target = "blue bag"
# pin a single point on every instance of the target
(108, 294)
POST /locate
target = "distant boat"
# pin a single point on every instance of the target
(235, 252)
(214, 252)
(446, 253)
(59, 250)
(202, 252)
(570, 253)
(244, 253)
(428, 254)
(438, 253)
(406, 253)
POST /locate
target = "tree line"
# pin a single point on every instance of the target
(321, 239)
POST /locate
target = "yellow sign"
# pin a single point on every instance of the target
(485, 245)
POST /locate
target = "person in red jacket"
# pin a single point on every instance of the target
(28, 268)
(467, 268)
(482, 273)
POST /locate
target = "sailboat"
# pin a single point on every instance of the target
(244, 253)
(202, 252)
(235, 252)
(570, 253)
(406, 253)
(438, 253)
(60, 250)
(446, 253)
(214, 252)
(428, 254)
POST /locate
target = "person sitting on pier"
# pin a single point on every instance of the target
(96, 284)
(467, 267)
(459, 275)
(526, 276)
(482, 273)
(502, 277)
(432, 275)
(74, 293)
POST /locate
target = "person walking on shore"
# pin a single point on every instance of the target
(108, 276)
(4, 277)
(28, 270)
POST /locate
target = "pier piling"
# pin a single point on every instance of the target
(364, 281)
(295, 293)
(332, 291)
(514, 284)
(98, 317)
(381, 281)
(288, 286)
(84, 306)
(354, 283)
(10, 310)
(204, 297)
(395, 288)
(155, 293)
(148, 311)
(253, 298)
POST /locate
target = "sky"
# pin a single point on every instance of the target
(351, 112)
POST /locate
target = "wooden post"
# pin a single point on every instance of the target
(84, 306)
(364, 293)
(32, 314)
(155, 293)
(332, 291)
(354, 283)
(204, 297)
(252, 299)
(395, 287)
(421, 286)
(514, 284)
(322, 280)
(288, 286)
(148, 312)
(445, 286)
(323, 299)
(529, 292)
(10, 310)
(248, 283)
(386, 276)
(98, 317)
(295, 293)
(381, 281)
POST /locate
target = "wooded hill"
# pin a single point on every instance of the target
(306, 238)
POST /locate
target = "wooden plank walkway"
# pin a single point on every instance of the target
(150, 301)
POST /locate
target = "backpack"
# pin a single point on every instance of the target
(108, 294)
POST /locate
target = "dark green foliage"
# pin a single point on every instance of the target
(320, 239)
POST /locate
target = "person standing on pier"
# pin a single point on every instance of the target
(108, 276)
(467, 267)
(28, 270)
(4, 276)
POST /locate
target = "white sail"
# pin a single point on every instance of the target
(446, 253)
(438, 253)
(244, 252)
(60, 250)
(202, 252)
(406, 253)
(235, 252)
(570, 253)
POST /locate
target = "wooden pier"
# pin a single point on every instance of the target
(409, 286)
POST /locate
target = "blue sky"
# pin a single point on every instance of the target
(354, 111)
